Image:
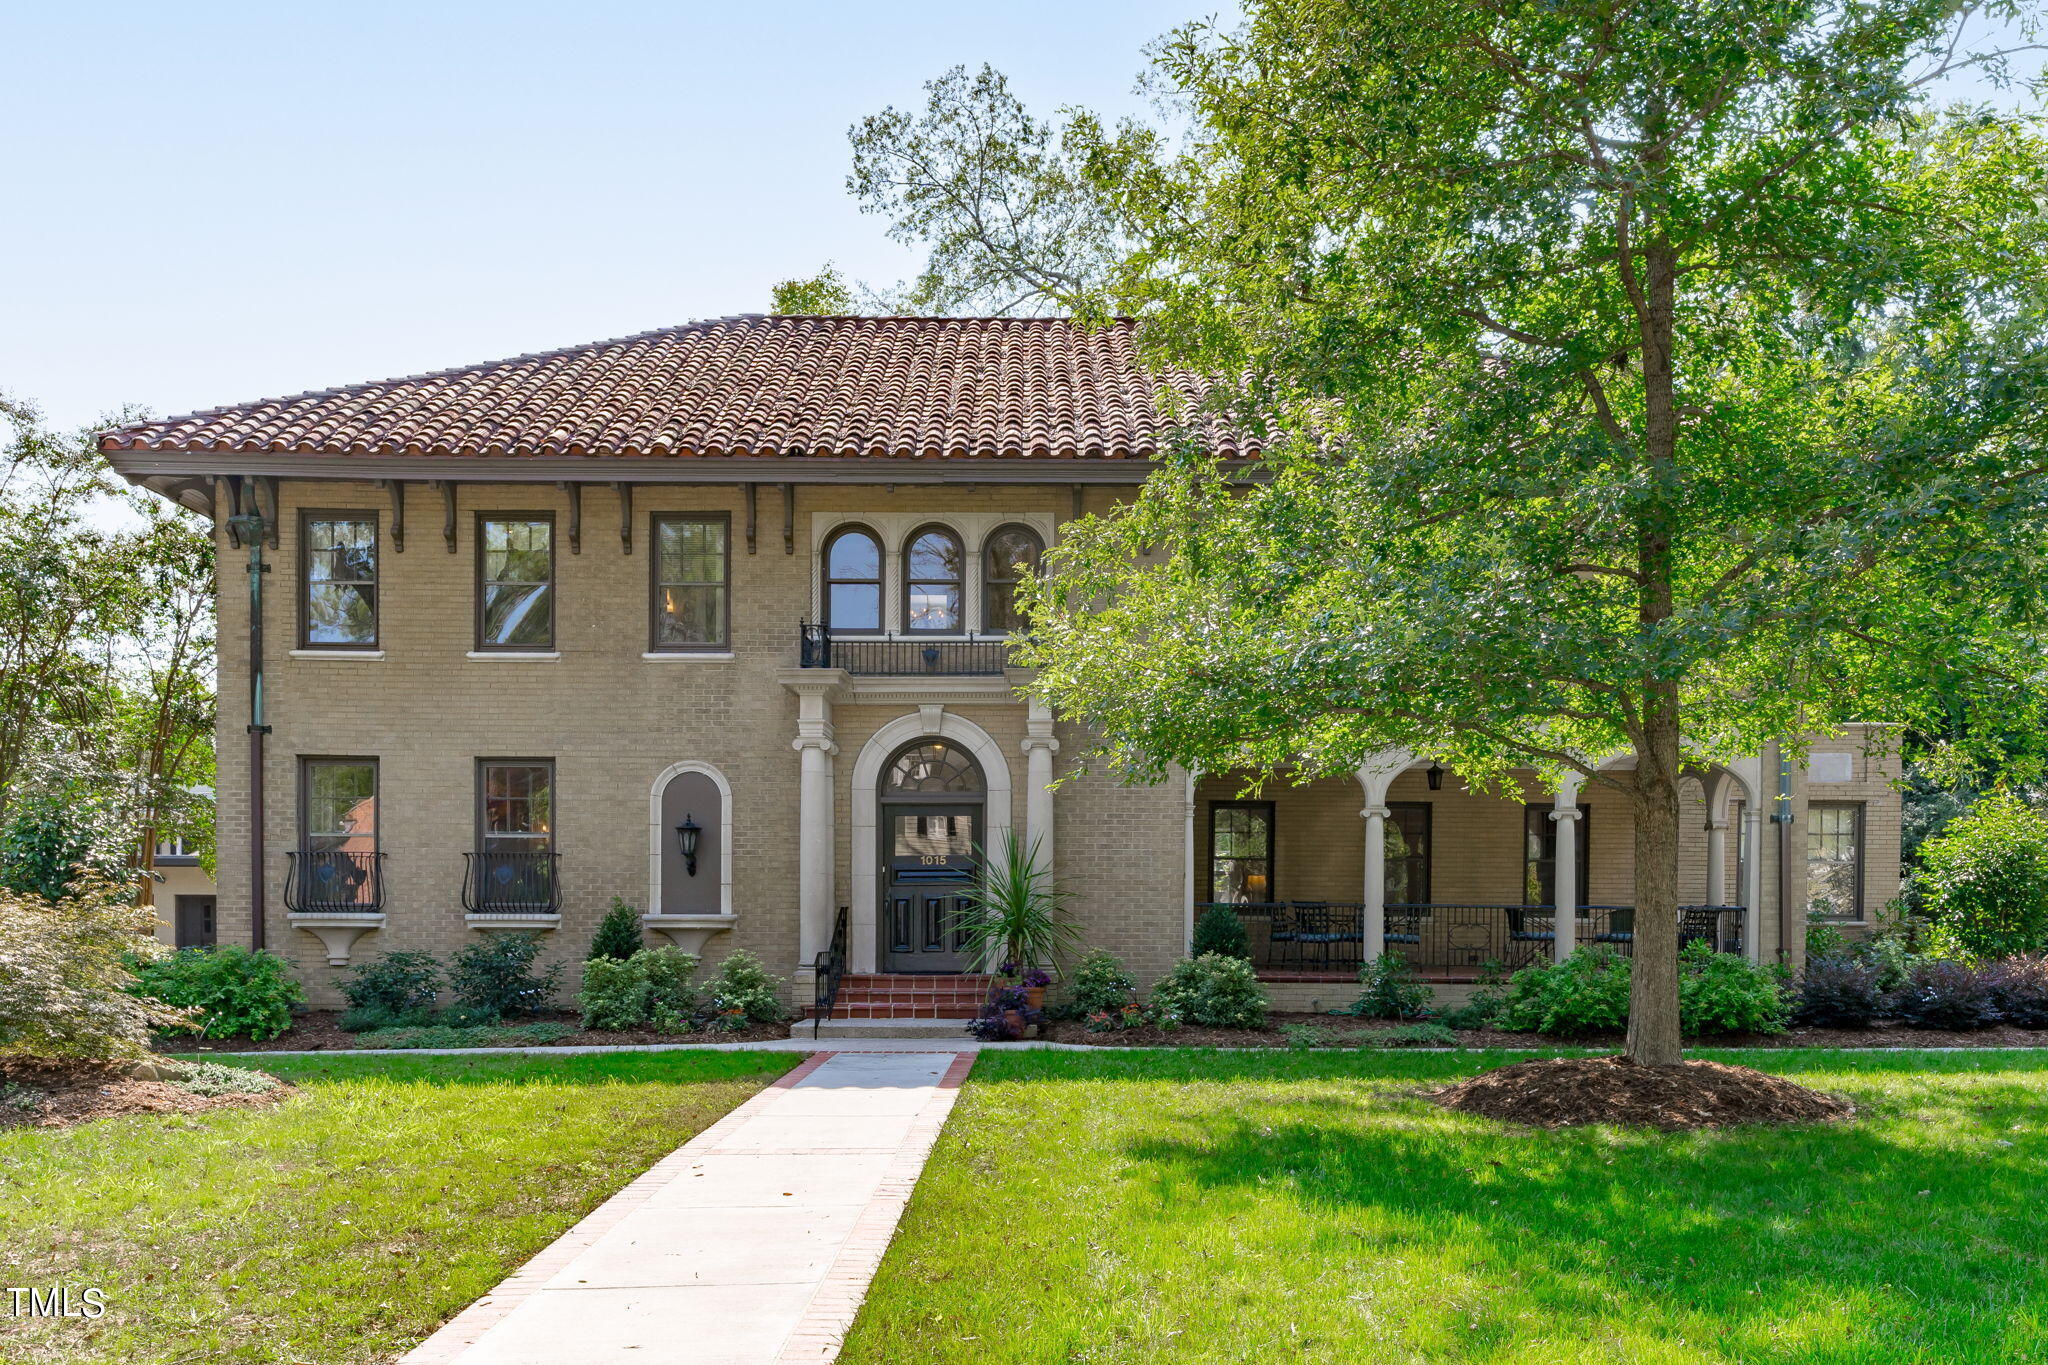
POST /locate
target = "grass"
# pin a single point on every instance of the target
(347, 1223)
(1213, 1207)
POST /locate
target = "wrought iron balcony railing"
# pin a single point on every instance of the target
(902, 655)
(512, 883)
(1451, 941)
(333, 883)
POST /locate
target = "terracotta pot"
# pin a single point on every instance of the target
(1013, 1023)
(1035, 997)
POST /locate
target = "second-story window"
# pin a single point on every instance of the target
(515, 606)
(853, 581)
(690, 596)
(931, 581)
(338, 555)
(1009, 557)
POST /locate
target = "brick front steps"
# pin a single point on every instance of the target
(909, 996)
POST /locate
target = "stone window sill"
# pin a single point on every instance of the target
(351, 654)
(513, 656)
(687, 656)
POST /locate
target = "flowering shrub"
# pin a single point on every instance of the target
(1100, 985)
(1213, 991)
(743, 986)
(1391, 991)
(237, 992)
(66, 968)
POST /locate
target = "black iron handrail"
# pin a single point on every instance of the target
(902, 655)
(826, 973)
(512, 883)
(329, 882)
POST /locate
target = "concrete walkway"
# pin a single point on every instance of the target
(753, 1242)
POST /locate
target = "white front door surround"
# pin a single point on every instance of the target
(864, 867)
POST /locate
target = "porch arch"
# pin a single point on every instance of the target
(864, 863)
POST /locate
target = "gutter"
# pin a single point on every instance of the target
(1781, 816)
(250, 527)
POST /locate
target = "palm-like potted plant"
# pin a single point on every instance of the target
(1016, 914)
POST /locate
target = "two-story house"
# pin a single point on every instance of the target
(713, 619)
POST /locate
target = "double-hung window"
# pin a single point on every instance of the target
(338, 577)
(1241, 852)
(514, 864)
(691, 566)
(336, 863)
(515, 566)
(1834, 860)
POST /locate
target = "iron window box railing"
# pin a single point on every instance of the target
(521, 883)
(334, 883)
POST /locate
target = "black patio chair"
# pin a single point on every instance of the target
(1621, 928)
(1320, 929)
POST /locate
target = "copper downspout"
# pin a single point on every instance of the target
(250, 527)
(1782, 818)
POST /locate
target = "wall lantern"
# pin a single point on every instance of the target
(686, 840)
(1436, 776)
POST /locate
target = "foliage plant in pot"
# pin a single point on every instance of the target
(1016, 915)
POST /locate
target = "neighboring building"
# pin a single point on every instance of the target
(533, 629)
(186, 899)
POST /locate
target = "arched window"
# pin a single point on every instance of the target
(1008, 558)
(853, 581)
(931, 581)
(932, 767)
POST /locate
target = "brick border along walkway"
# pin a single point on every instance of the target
(486, 1333)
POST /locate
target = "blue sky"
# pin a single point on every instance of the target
(216, 202)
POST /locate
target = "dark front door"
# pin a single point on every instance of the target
(194, 922)
(929, 857)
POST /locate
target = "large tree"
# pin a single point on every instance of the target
(1654, 379)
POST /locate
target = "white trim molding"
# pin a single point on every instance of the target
(865, 862)
(657, 840)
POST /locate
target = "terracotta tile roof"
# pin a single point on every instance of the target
(966, 388)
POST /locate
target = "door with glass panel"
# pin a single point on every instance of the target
(931, 815)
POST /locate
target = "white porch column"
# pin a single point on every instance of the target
(1375, 881)
(1039, 747)
(814, 822)
(1564, 928)
(1376, 775)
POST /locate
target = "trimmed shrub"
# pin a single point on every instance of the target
(1100, 985)
(1725, 993)
(446, 1035)
(1585, 993)
(650, 989)
(1391, 990)
(1220, 932)
(1946, 995)
(1841, 991)
(67, 975)
(1212, 991)
(618, 935)
(742, 992)
(494, 978)
(397, 985)
(1986, 880)
(2019, 990)
(1426, 1034)
(237, 992)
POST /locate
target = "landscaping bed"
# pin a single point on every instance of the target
(1316, 1207)
(321, 1031)
(40, 1093)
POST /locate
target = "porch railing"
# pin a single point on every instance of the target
(319, 882)
(512, 883)
(1452, 940)
(826, 973)
(902, 656)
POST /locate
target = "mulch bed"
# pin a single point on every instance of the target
(1346, 1032)
(317, 1031)
(79, 1092)
(1562, 1092)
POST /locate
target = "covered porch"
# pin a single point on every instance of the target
(1405, 858)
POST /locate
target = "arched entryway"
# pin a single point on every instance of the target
(933, 799)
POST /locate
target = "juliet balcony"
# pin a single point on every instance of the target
(902, 656)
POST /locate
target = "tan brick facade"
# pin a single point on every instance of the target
(612, 720)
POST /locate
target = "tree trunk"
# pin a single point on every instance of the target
(1653, 1037)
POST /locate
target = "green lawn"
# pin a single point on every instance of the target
(347, 1223)
(1192, 1207)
